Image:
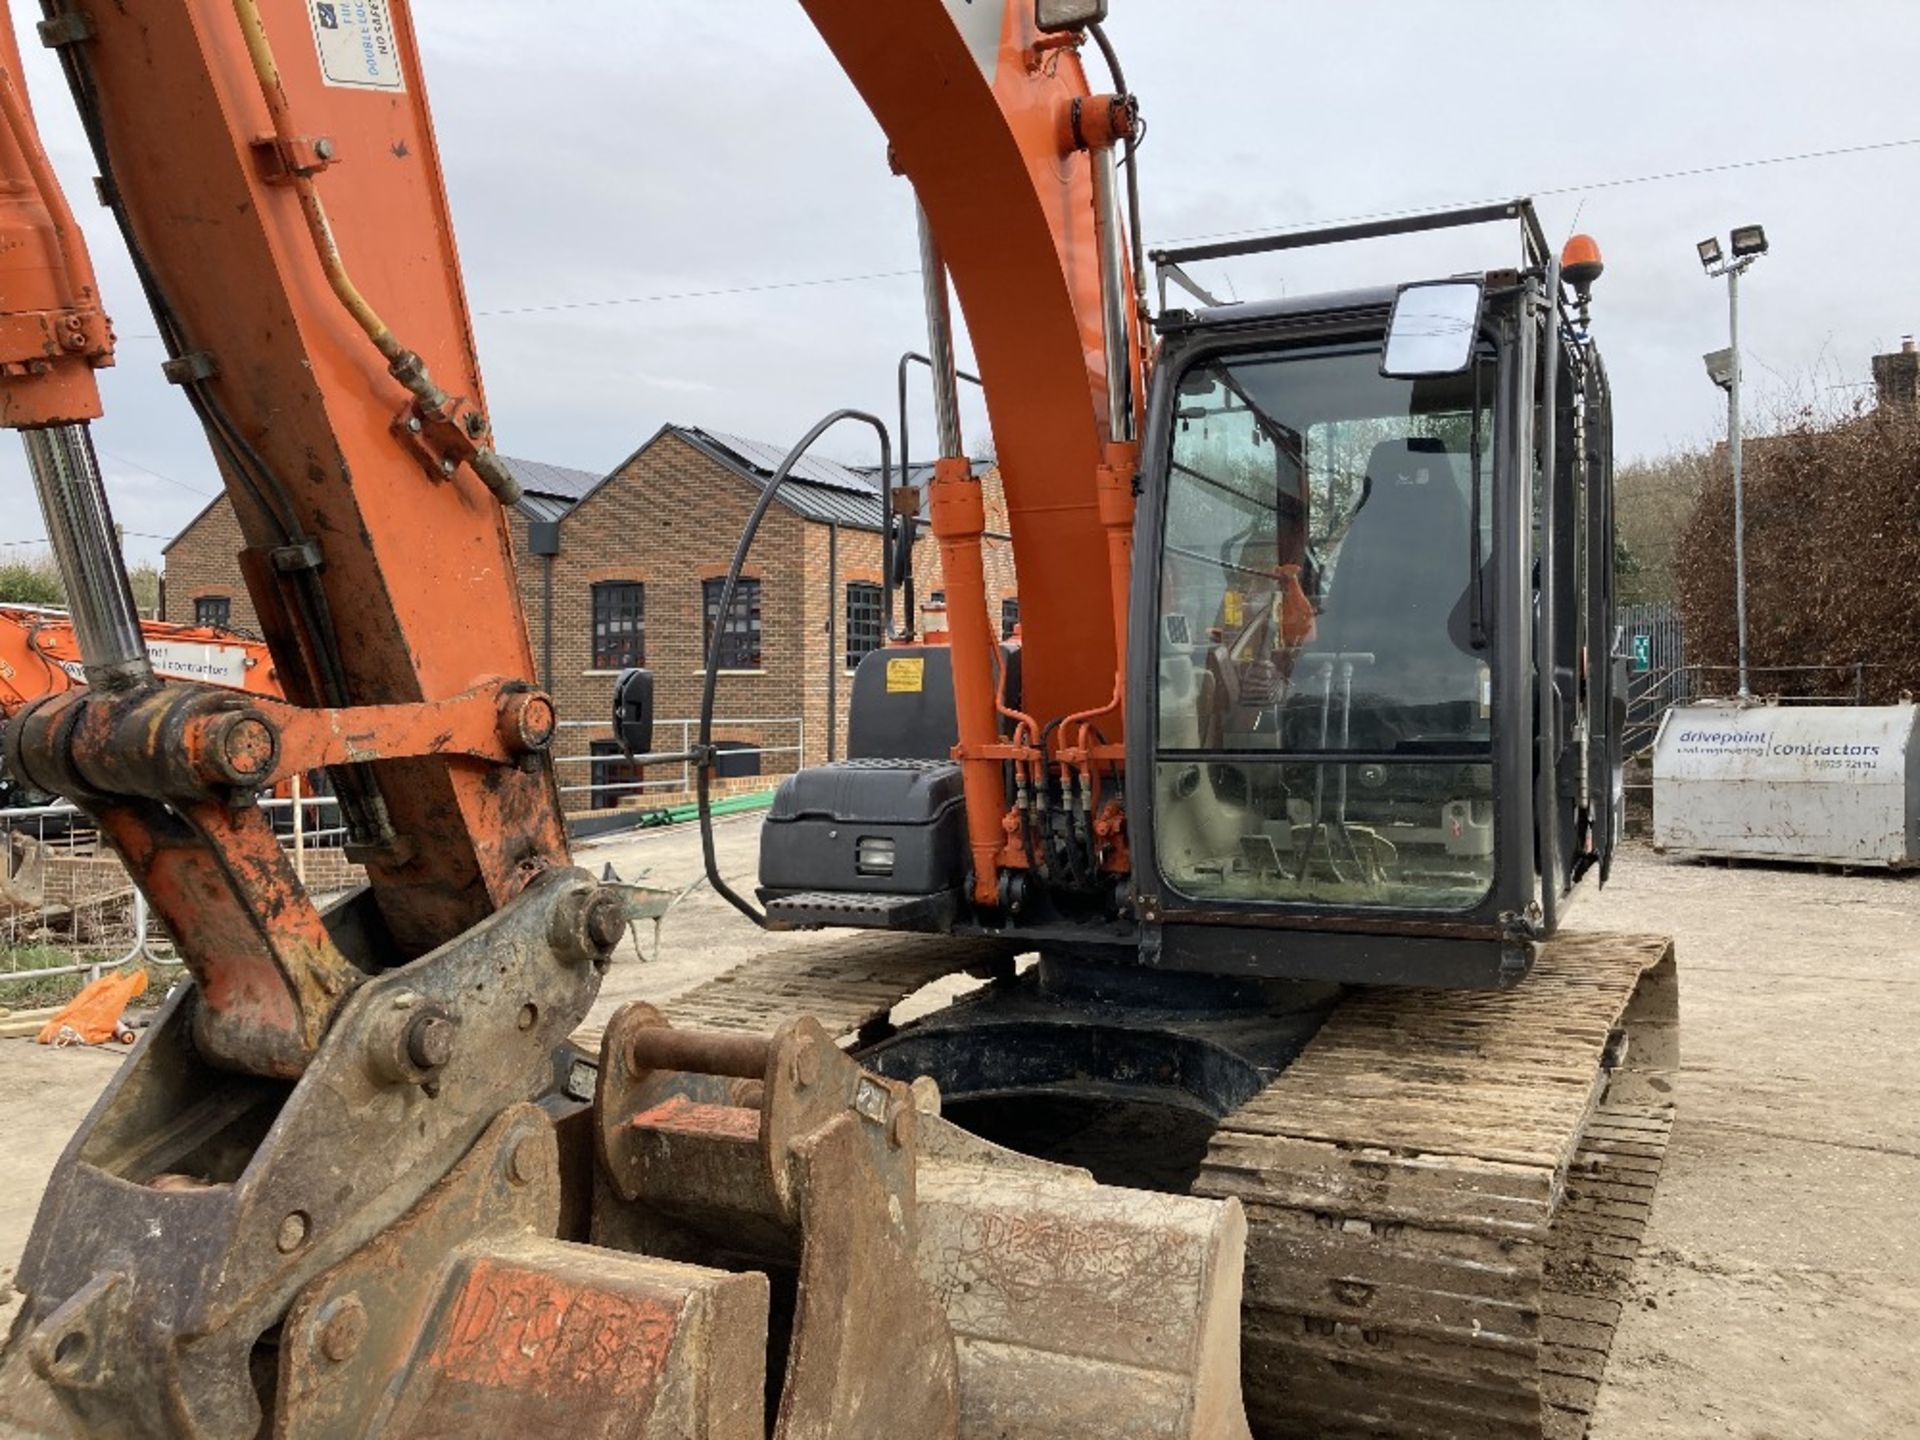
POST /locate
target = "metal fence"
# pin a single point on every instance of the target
(105, 929)
(111, 927)
(610, 775)
(1658, 676)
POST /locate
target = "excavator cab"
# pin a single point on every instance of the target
(1372, 717)
(1432, 753)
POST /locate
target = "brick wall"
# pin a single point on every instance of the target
(669, 519)
(69, 879)
(329, 870)
(204, 560)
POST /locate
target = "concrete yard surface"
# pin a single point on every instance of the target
(1779, 1287)
(1778, 1296)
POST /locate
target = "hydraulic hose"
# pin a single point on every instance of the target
(703, 765)
(1112, 57)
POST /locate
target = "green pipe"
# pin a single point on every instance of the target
(680, 814)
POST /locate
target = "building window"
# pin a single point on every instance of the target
(863, 620)
(740, 636)
(614, 776)
(619, 625)
(1009, 616)
(214, 610)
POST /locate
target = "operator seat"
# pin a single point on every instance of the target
(1397, 583)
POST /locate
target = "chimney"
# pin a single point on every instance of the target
(1896, 379)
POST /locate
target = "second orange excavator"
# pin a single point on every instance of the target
(40, 655)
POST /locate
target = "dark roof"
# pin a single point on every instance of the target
(819, 490)
(549, 490)
(764, 459)
(922, 472)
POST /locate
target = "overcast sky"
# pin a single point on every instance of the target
(658, 151)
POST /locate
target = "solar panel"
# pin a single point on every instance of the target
(540, 478)
(765, 459)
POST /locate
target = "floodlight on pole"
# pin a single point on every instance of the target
(1748, 243)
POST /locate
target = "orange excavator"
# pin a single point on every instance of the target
(40, 655)
(1308, 1118)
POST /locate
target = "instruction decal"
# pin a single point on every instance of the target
(357, 47)
(906, 675)
(192, 660)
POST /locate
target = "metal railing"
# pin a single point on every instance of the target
(141, 948)
(63, 833)
(682, 779)
(1654, 692)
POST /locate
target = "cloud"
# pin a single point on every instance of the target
(683, 145)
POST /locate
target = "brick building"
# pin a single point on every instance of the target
(627, 569)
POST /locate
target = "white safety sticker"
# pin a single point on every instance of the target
(356, 43)
(195, 660)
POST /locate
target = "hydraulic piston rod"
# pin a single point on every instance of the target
(73, 501)
(946, 386)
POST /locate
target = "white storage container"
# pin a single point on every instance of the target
(1833, 784)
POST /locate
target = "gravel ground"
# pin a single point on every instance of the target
(1779, 1293)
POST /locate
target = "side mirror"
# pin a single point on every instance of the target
(633, 712)
(1433, 329)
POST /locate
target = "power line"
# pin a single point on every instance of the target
(149, 470)
(1546, 192)
(713, 294)
(129, 534)
(718, 292)
(1621, 182)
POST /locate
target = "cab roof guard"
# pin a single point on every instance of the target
(1169, 262)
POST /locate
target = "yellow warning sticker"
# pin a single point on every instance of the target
(906, 675)
(1235, 607)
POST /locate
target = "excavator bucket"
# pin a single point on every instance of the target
(1074, 1303)
(762, 1205)
(940, 1286)
(760, 1239)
